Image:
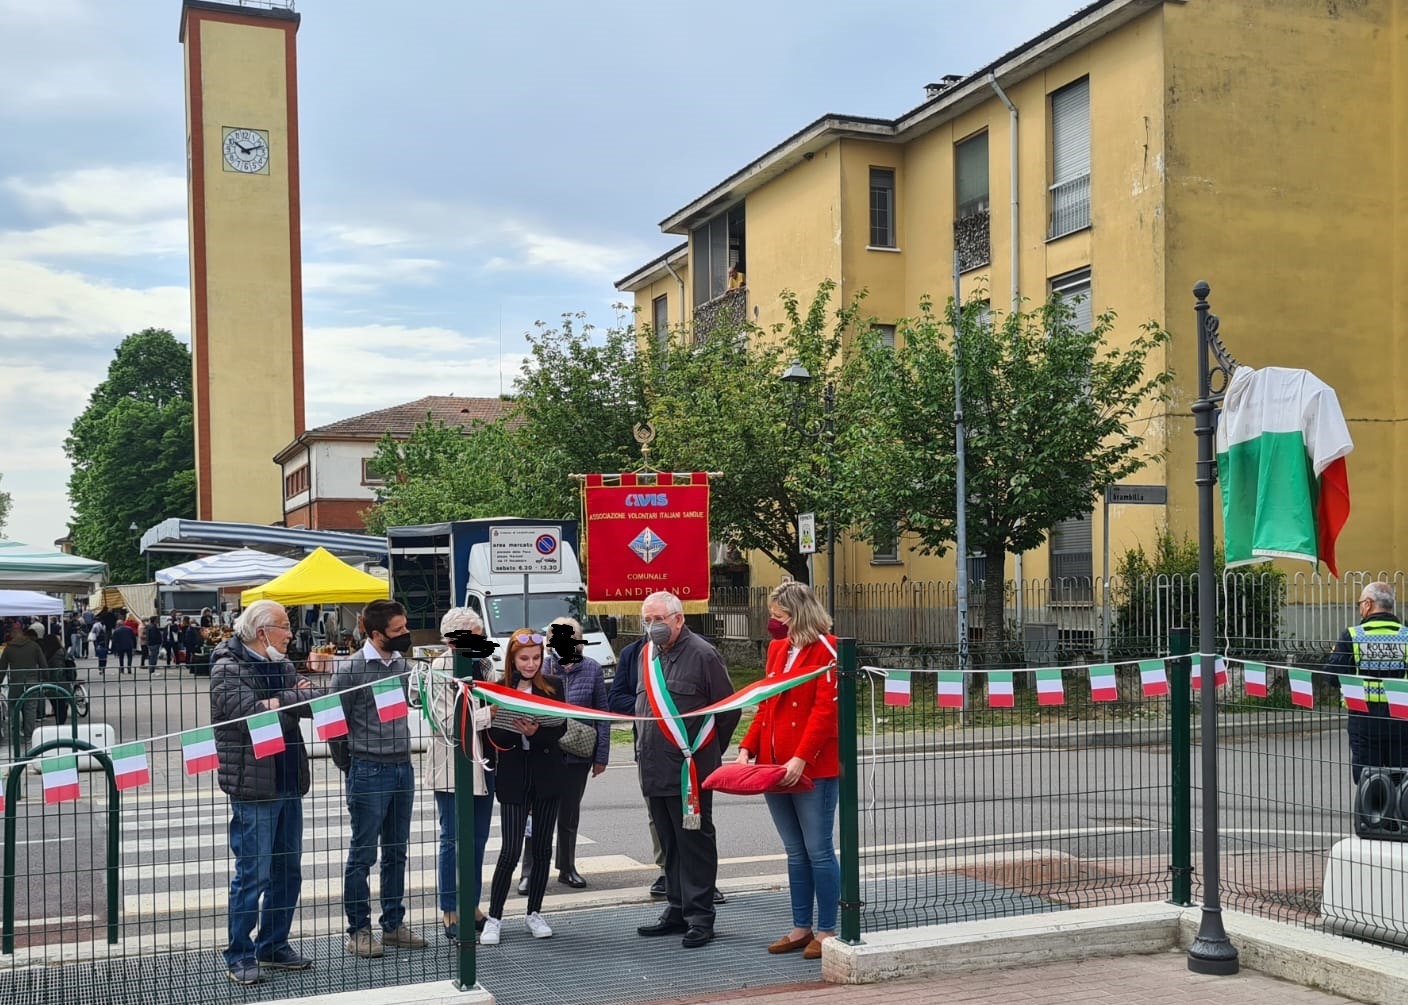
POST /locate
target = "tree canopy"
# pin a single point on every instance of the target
(133, 451)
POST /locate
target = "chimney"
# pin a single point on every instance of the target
(932, 91)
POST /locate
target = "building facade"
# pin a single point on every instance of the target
(1127, 152)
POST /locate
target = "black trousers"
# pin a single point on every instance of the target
(569, 814)
(691, 860)
(513, 821)
(1376, 741)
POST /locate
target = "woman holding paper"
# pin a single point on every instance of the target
(530, 781)
(798, 728)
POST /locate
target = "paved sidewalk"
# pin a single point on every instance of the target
(1162, 979)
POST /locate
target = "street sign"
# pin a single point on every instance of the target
(1136, 495)
(806, 533)
(525, 550)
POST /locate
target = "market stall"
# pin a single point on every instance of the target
(23, 603)
(241, 567)
(24, 567)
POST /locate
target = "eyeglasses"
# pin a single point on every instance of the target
(524, 639)
(282, 628)
(648, 620)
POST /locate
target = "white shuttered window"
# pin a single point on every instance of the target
(1070, 158)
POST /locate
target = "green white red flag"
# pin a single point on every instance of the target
(1254, 679)
(1352, 691)
(129, 765)
(60, 778)
(198, 750)
(1000, 694)
(1049, 689)
(1152, 678)
(1219, 673)
(329, 721)
(897, 687)
(266, 734)
(390, 699)
(1102, 683)
(950, 689)
(1302, 688)
(1396, 690)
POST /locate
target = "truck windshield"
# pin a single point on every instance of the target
(506, 612)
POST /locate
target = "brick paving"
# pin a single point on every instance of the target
(1161, 979)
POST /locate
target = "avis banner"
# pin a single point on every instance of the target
(646, 532)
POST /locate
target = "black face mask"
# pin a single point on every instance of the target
(399, 643)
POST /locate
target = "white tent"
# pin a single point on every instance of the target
(23, 567)
(242, 567)
(18, 603)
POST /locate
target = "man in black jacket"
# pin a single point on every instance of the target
(249, 675)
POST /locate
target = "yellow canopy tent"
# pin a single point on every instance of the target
(321, 578)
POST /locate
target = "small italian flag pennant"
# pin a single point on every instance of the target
(1397, 691)
(129, 765)
(897, 687)
(1000, 689)
(266, 734)
(1302, 690)
(1102, 683)
(390, 699)
(1219, 672)
(1352, 691)
(950, 689)
(198, 750)
(1049, 690)
(60, 778)
(1254, 679)
(1152, 678)
(329, 721)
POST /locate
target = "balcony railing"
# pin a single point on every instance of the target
(728, 310)
(972, 240)
(1070, 207)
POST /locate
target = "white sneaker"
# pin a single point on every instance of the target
(490, 935)
(540, 928)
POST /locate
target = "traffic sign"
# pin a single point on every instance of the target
(525, 550)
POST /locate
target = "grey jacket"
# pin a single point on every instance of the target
(368, 738)
(695, 677)
(236, 689)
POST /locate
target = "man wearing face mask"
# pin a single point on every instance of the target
(380, 783)
(692, 673)
(250, 675)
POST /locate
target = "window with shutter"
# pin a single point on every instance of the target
(717, 244)
(882, 208)
(1070, 159)
(972, 239)
(1072, 561)
(660, 318)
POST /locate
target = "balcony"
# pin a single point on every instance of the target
(728, 310)
(972, 240)
(1070, 207)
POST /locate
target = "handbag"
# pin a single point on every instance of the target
(752, 779)
(579, 740)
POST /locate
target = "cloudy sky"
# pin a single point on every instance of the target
(468, 169)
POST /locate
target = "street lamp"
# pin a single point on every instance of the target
(136, 533)
(799, 376)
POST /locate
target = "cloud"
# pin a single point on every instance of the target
(96, 239)
(127, 192)
(44, 305)
(369, 276)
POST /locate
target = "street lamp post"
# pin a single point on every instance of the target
(800, 376)
(136, 533)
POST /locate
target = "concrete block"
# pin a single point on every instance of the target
(1366, 890)
(429, 993)
(99, 734)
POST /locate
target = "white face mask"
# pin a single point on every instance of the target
(270, 652)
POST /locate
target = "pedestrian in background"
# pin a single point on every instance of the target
(123, 645)
(24, 661)
(153, 637)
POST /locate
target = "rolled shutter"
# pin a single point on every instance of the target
(1070, 132)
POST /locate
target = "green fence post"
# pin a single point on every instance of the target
(846, 677)
(464, 835)
(1180, 737)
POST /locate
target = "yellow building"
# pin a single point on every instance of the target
(246, 259)
(1127, 152)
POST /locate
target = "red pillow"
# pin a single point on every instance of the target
(751, 779)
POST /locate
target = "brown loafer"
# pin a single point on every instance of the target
(813, 950)
(786, 945)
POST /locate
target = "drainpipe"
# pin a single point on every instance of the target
(1016, 261)
(679, 281)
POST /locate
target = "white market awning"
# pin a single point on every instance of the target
(241, 567)
(210, 537)
(24, 567)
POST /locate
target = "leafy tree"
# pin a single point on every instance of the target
(4, 510)
(722, 406)
(133, 451)
(1047, 408)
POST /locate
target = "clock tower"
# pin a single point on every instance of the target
(246, 258)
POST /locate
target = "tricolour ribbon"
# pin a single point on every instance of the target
(671, 723)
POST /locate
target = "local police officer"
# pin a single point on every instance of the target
(1376, 648)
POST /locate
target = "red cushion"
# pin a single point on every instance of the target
(752, 779)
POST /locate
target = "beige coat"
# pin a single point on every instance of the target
(441, 769)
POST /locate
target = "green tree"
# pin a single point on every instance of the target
(4, 510)
(1047, 407)
(133, 451)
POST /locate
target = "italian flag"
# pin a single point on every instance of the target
(1397, 691)
(390, 699)
(1254, 679)
(329, 721)
(1152, 678)
(1219, 672)
(950, 689)
(266, 734)
(1281, 445)
(198, 750)
(1102, 683)
(1302, 690)
(60, 778)
(897, 687)
(129, 765)
(1352, 691)
(1000, 689)
(1049, 690)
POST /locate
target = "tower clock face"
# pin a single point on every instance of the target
(246, 150)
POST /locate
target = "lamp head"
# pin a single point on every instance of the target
(796, 374)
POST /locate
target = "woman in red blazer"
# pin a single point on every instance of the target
(798, 729)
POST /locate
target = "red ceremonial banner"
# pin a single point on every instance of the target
(646, 533)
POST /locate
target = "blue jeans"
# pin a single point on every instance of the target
(483, 818)
(266, 838)
(380, 798)
(805, 822)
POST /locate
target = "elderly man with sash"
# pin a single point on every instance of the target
(1377, 650)
(681, 673)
